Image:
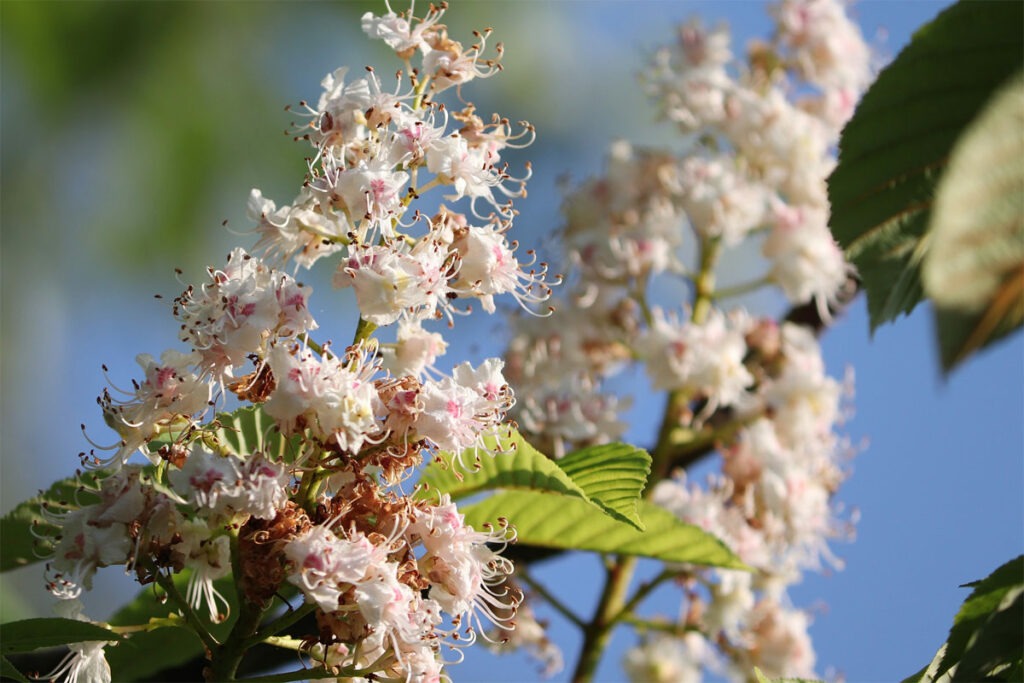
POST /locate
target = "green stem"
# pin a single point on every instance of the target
(704, 283)
(226, 658)
(284, 642)
(301, 675)
(671, 433)
(364, 330)
(597, 633)
(642, 592)
(308, 341)
(659, 626)
(309, 487)
(742, 288)
(548, 597)
(313, 674)
(281, 623)
(613, 608)
(167, 583)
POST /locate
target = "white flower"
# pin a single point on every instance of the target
(322, 563)
(451, 415)
(373, 194)
(664, 659)
(807, 263)
(302, 231)
(87, 662)
(239, 311)
(827, 46)
(170, 395)
(413, 351)
(488, 266)
(394, 282)
(705, 359)
(401, 35)
(209, 558)
(466, 576)
(719, 201)
(335, 397)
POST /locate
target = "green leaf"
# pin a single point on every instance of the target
(521, 466)
(8, 670)
(895, 148)
(927, 674)
(974, 266)
(242, 433)
(148, 652)
(20, 546)
(961, 334)
(250, 429)
(549, 520)
(998, 645)
(32, 634)
(987, 626)
(613, 476)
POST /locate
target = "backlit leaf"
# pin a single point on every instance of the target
(519, 466)
(549, 520)
(612, 475)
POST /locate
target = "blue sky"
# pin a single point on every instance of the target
(939, 485)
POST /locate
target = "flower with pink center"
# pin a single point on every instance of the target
(371, 194)
(488, 266)
(244, 307)
(457, 411)
(392, 283)
(324, 565)
(470, 173)
(334, 396)
(466, 576)
(808, 265)
(171, 394)
(385, 602)
(414, 350)
(302, 232)
(704, 359)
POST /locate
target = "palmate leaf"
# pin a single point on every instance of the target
(549, 520)
(894, 150)
(20, 546)
(519, 465)
(613, 476)
(32, 634)
(250, 429)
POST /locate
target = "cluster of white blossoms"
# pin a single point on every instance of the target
(759, 136)
(317, 508)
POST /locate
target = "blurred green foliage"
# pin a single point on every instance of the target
(145, 114)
